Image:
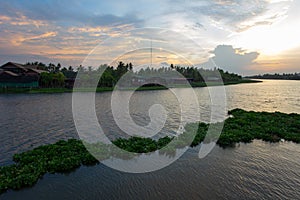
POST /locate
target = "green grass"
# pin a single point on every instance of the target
(14, 90)
(212, 83)
(34, 90)
(49, 90)
(65, 90)
(242, 81)
(64, 156)
(105, 89)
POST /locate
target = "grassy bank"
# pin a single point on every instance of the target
(225, 83)
(105, 89)
(63, 156)
(66, 90)
(34, 90)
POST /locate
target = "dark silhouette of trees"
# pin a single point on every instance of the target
(51, 80)
(57, 74)
(284, 76)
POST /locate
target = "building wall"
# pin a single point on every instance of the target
(22, 79)
(34, 84)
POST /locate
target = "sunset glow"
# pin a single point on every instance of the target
(66, 32)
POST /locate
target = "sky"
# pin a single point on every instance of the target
(242, 36)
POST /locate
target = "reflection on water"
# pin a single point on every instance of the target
(145, 162)
(258, 170)
(271, 95)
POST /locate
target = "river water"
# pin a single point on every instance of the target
(257, 170)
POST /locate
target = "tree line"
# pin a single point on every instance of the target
(284, 76)
(56, 75)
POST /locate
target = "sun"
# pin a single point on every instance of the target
(270, 40)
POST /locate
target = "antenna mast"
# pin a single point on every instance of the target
(151, 52)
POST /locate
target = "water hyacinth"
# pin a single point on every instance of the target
(65, 156)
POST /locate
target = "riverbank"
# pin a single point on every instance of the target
(66, 90)
(106, 89)
(63, 156)
(207, 84)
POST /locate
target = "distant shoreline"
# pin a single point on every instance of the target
(274, 79)
(108, 89)
(276, 76)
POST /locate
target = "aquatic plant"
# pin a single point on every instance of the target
(245, 126)
(141, 145)
(64, 156)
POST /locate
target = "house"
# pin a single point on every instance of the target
(179, 81)
(153, 81)
(18, 75)
(213, 79)
(149, 81)
(138, 80)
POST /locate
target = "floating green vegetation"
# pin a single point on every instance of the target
(245, 126)
(29, 166)
(141, 145)
(65, 156)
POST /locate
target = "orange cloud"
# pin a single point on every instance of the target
(21, 20)
(20, 39)
(4, 18)
(112, 31)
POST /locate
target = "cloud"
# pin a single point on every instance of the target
(228, 15)
(109, 19)
(232, 15)
(232, 59)
(69, 13)
(20, 20)
(23, 58)
(63, 29)
(22, 39)
(98, 31)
